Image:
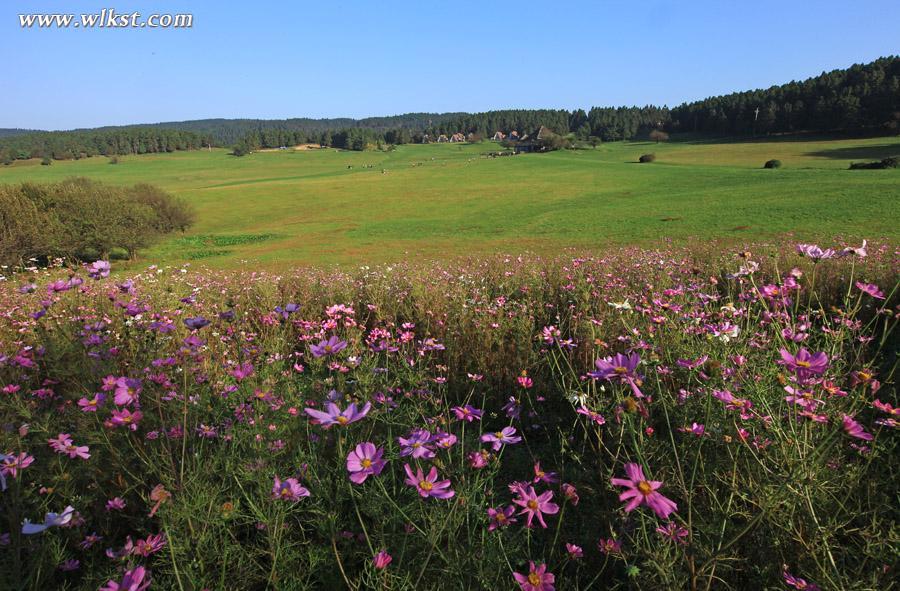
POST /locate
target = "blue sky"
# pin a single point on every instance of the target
(272, 59)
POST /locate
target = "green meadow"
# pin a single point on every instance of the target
(441, 200)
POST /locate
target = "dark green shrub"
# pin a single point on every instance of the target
(890, 162)
(772, 164)
(645, 158)
(46, 161)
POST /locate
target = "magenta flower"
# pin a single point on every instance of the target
(151, 545)
(804, 364)
(570, 493)
(574, 551)
(642, 491)
(382, 560)
(50, 520)
(467, 413)
(609, 546)
(854, 429)
(871, 289)
(428, 486)
(126, 391)
(98, 269)
(330, 347)
(673, 532)
(11, 464)
(534, 505)
(364, 461)
(814, 252)
(288, 490)
(335, 416)
(126, 418)
(541, 476)
(619, 368)
(93, 404)
(537, 579)
(797, 582)
(137, 579)
(501, 517)
(115, 504)
(507, 436)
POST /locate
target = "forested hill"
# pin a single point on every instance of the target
(7, 132)
(861, 97)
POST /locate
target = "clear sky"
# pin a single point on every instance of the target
(331, 58)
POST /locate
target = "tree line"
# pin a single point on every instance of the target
(84, 220)
(861, 97)
(72, 145)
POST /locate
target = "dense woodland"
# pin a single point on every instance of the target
(864, 97)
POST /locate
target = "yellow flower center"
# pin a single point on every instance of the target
(620, 370)
(366, 463)
(498, 435)
(534, 579)
(644, 487)
(533, 505)
(343, 420)
(802, 363)
(426, 485)
(500, 517)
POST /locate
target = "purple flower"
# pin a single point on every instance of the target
(498, 438)
(428, 486)
(467, 413)
(814, 252)
(336, 416)
(196, 323)
(50, 520)
(871, 289)
(501, 517)
(804, 364)
(127, 390)
(330, 347)
(137, 579)
(382, 560)
(288, 490)
(364, 461)
(619, 368)
(854, 429)
(417, 445)
(537, 579)
(98, 269)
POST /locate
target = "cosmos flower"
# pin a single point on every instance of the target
(196, 323)
(814, 252)
(497, 439)
(330, 347)
(542, 476)
(98, 269)
(797, 582)
(609, 546)
(501, 517)
(619, 369)
(537, 579)
(804, 364)
(854, 429)
(641, 491)
(50, 520)
(126, 391)
(63, 445)
(467, 413)
(382, 560)
(416, 445)
(137, 579)
(364, 461)
(336, 416)
(870, 289)
(534, 505)
(288, 490)
(428, 486)
(673, 532)
(11, 464)
(574, 551)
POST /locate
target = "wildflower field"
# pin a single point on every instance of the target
(641, 419)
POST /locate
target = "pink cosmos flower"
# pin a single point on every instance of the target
(364, 461)
(854, 429)
(428, 486)
(609, 546)
(467, 413)
(500, 517)
(642, 491)
(814, 252)
(593, 415)
(871, 289)
(507, 436)
(537, 579)
(416, 445)
(93, 404)
(330, 347)
(382, 560)
(151, 545)
(805, 364)
(571, 494)
(126, 418)
(63, 445)
(574, 551)
(335, 416)
(541, 476)
(534, 505)
(288, 490)
(797, 582)
(115, 504)
(11, 464)
(127, 391)
(621, 369)
(137, 579)
(673, 532)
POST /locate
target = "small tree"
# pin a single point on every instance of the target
(594, 141)
(659, 135)
(46, 161)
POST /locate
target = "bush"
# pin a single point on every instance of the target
(46, 161)
(81, 219)
(114, 160)
(890, 162)
(647, 158)
(772, 164)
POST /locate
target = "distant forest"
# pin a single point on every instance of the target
(864, 97)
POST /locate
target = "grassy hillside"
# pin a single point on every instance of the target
(283, 208)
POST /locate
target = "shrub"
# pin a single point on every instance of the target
(772, 164)
(114, 160)
(46, 161)
(647, 158)
(890, 162)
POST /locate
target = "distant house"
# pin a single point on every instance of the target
(457, 137)
(513, 135)
(533, 142)
(442, 138)
(498, 136)
(472, 137)
(426, 139)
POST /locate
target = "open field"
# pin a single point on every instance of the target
(305, 207)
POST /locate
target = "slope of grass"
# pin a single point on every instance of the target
(442, 200)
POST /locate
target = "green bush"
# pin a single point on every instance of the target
(772, 164)
(645, 158)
